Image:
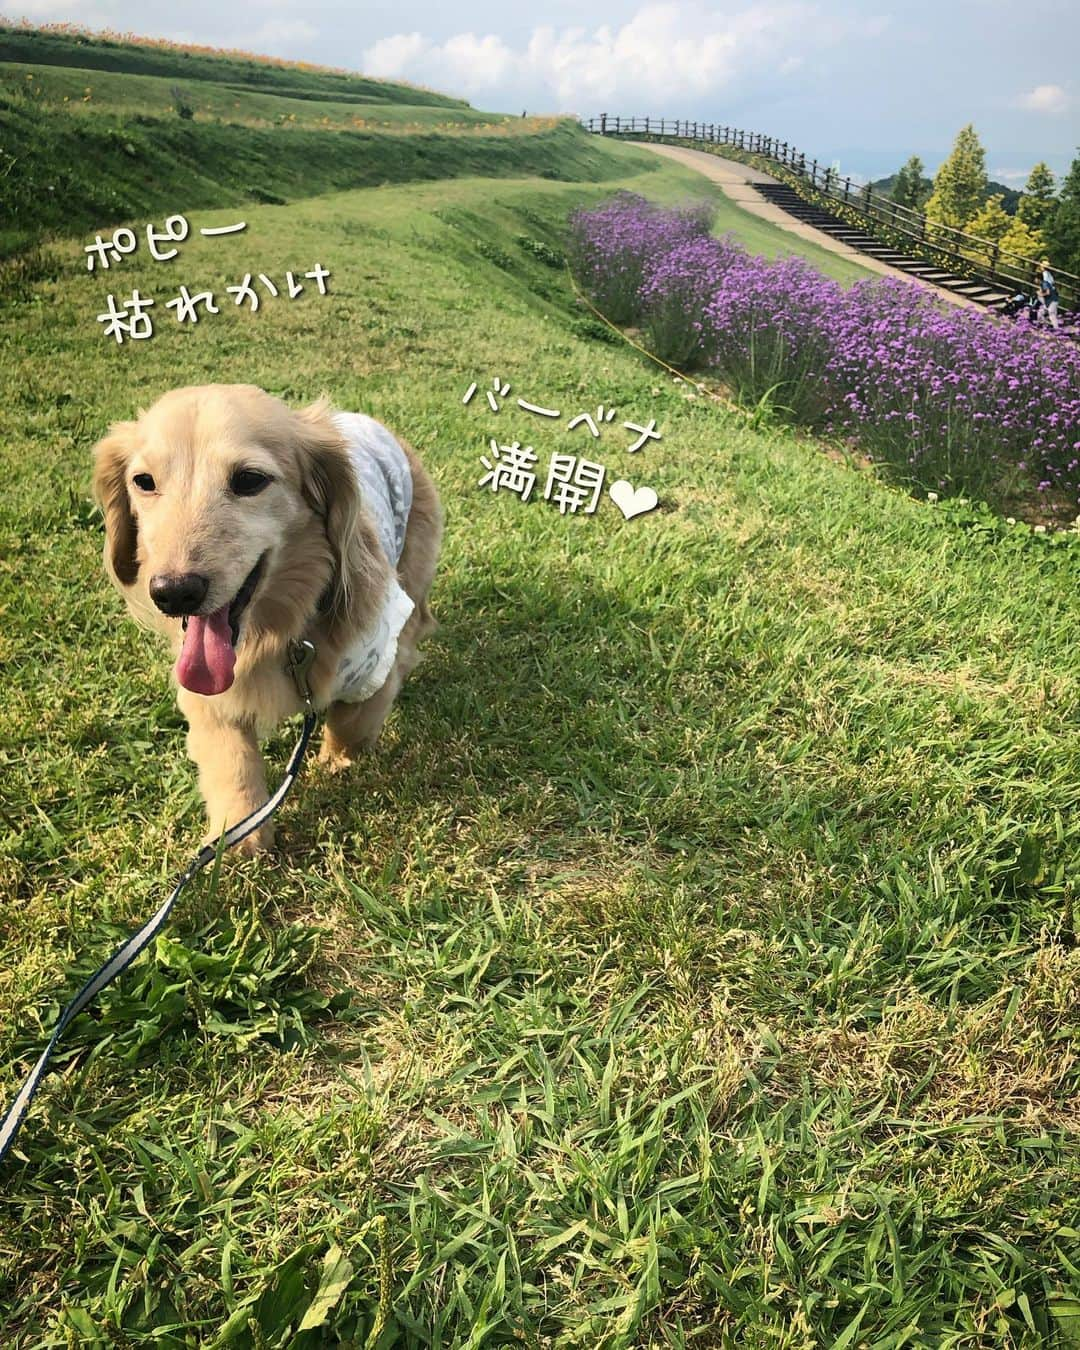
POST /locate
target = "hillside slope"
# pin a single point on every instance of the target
(93, 134)
(693, 960)
(243, 70)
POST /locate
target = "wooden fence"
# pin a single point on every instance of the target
(981, 258)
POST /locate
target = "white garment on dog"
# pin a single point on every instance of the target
(386, 488)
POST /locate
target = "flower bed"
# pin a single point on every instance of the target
(955, 398)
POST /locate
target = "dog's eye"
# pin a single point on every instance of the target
(248, 482)
(144, 482)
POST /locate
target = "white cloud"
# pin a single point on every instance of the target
(392, 56)
(74, 11)
(278, 37)
(665, 53)
(1010, 177)
(1045, 98)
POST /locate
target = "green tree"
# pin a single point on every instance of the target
(1023, 239)
(1037, 202)
(1012, 235)
(1063, 227)
(910, 186)
(960, 184)
(991, 221)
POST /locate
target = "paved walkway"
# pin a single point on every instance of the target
(736, 182)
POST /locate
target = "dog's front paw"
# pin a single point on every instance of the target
(335, 759)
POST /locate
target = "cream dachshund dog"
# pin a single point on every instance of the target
(235, 524)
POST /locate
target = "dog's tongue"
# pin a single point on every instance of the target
(207, 659)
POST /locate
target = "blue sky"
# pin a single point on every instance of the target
(866, 85)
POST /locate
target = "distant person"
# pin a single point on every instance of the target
(1048, 292)
(523, 112)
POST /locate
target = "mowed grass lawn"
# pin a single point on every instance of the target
(694, 963)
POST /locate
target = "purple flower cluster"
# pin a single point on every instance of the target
(610, 246)
(954, 396)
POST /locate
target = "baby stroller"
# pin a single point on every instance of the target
(1015, 306)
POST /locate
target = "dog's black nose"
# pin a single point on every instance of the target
(176, 595)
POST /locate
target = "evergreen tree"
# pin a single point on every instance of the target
(910, 187)
(1037, 203)
(960, 184)
(1063, 227)
(1021, 238)
(991, 222)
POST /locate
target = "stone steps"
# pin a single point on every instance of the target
(981, 292)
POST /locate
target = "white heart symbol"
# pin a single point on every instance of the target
(629, 502)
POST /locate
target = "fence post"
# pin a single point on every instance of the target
(813, 173)
(603, 124)
(847, 188)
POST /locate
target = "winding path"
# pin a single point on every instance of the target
(737, 181)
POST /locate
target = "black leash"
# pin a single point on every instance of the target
(301, 656)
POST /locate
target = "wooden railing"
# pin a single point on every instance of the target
(980, 258)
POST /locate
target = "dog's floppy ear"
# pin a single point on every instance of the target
(111, 456)
(329, 485)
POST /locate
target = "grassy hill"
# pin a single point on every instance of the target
(693, 965)
(65, 47)
(92, 137)
(92, 134)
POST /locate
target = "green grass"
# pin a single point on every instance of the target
(91, 138)
(693, 965)
(96, 52)
(66, 171)
(759, 236)
(86, 92)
